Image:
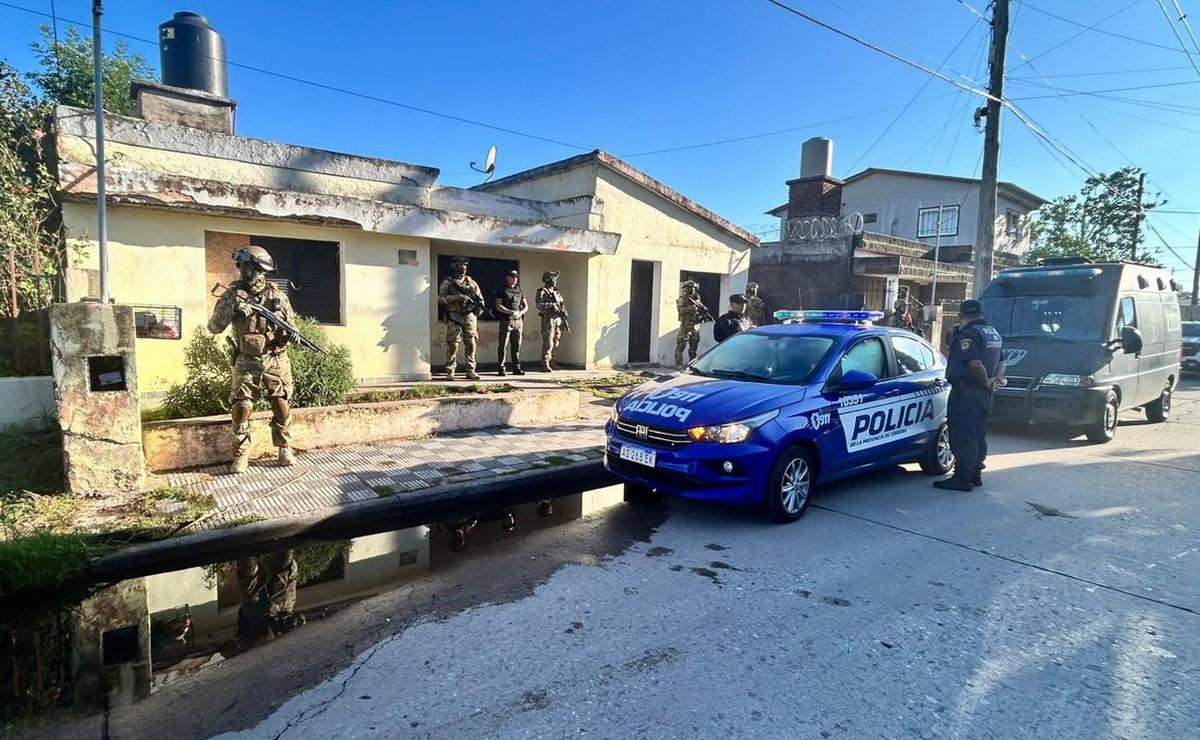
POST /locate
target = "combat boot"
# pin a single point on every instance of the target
(502, 372)
(241, 463)
(287, 458)
(472, 375)
(518, 371)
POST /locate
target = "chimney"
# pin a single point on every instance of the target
(194, 88)
(816, 192)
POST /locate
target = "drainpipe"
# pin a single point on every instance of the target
(101, 210)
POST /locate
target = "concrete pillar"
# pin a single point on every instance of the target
(95, 391)
(110, 648)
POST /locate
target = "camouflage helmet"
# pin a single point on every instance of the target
(689, 285)
(257, 255)
(456, 261)
(549, 275)
(751, 287)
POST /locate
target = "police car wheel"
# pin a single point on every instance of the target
(1159, 410)
(636, 494)
(1105, 428)
(938, 459)
(790, 486)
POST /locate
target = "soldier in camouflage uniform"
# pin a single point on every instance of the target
(267, 586)
(510, 306)
(756, 308)
(460, 296)
(551, 306)
(260, 361)
(692, 313)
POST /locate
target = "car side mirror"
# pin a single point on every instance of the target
(858, 380)
(1131, 340)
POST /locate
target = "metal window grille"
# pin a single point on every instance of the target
(157, 322)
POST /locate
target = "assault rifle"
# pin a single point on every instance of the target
(273, 319)
(566, 317)
(703, 312)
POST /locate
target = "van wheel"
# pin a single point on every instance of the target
(1105, 428)
(789, 488)
(1159, 410)
(938, 459)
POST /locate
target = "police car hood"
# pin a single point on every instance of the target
(685, 401)
(1033, 357)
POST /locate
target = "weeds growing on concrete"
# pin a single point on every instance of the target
(608, 386)
(430, 390)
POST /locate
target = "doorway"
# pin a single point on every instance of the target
(641, 305)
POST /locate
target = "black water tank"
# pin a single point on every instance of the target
(193, 54)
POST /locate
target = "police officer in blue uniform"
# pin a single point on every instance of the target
(975, 368)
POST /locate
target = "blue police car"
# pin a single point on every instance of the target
(765, 415)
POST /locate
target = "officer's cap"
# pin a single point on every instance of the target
(970, 307)
(514, 273)
(738, 298)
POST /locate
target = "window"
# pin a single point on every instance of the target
(767, 358)
(912, 356)
(489, 273)
(710, 289)
(1012, 224)
(310, 272)
(1127, 314)
(928, 220)
(870, 218)
(868, 355)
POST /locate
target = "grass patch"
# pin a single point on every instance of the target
(245, 519)
(383, 491)
(555, 460)
(157, 413)
(607, 386)
(31, 459)
(430, 390)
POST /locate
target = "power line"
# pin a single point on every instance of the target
(1144, 70)
(1140, 118)
(1175, 31)
(1188, 26)
(1063, 91)
(324, 86)
(910, 102)
(1133, 39)
(881, 50)
(1069, 39)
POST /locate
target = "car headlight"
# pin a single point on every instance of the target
(613, 415)
(1076, 381)
(731, 433)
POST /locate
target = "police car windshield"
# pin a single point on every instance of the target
(765, 358)
(1066, 317)
(1191, 329)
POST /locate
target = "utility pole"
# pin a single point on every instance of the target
(1137, 220)
(1196, 273)
(101, 206)
(985, 234)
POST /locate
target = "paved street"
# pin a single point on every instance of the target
(1060, 601)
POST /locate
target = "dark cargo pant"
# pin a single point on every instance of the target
(967, 414)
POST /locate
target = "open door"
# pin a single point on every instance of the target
(641, 305)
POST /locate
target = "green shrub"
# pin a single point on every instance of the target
(318, 379)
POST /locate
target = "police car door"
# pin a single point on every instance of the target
(861, 411)
(923, 392)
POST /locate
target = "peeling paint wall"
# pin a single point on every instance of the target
(159, 258)
(655, 230)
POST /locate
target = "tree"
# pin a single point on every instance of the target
(1099, 223)
(65, 74)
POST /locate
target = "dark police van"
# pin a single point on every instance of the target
(1084, 341)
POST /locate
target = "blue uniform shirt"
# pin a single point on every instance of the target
(978, 340)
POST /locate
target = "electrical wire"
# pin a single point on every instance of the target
(331, 88)
(1175, 31)
(1188, 26)
(1133, 39)
(1062, 91)
(1145, 70)
(1069, 39)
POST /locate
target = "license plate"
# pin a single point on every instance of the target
(638, 455)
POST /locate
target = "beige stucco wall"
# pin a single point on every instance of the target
(158, 257)
(655, 230)
(572, 283)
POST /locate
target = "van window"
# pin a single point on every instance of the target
(1070, 317)
(1127, 316)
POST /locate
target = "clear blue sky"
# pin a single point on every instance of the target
(635, 76)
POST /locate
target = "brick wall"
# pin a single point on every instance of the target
(218, 260)
(814, 196)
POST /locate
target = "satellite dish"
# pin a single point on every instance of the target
(489, 164)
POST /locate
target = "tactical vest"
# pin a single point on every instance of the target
(256, 336)
(511, 298)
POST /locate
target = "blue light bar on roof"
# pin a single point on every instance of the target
(1077, 272)
(843, 316)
